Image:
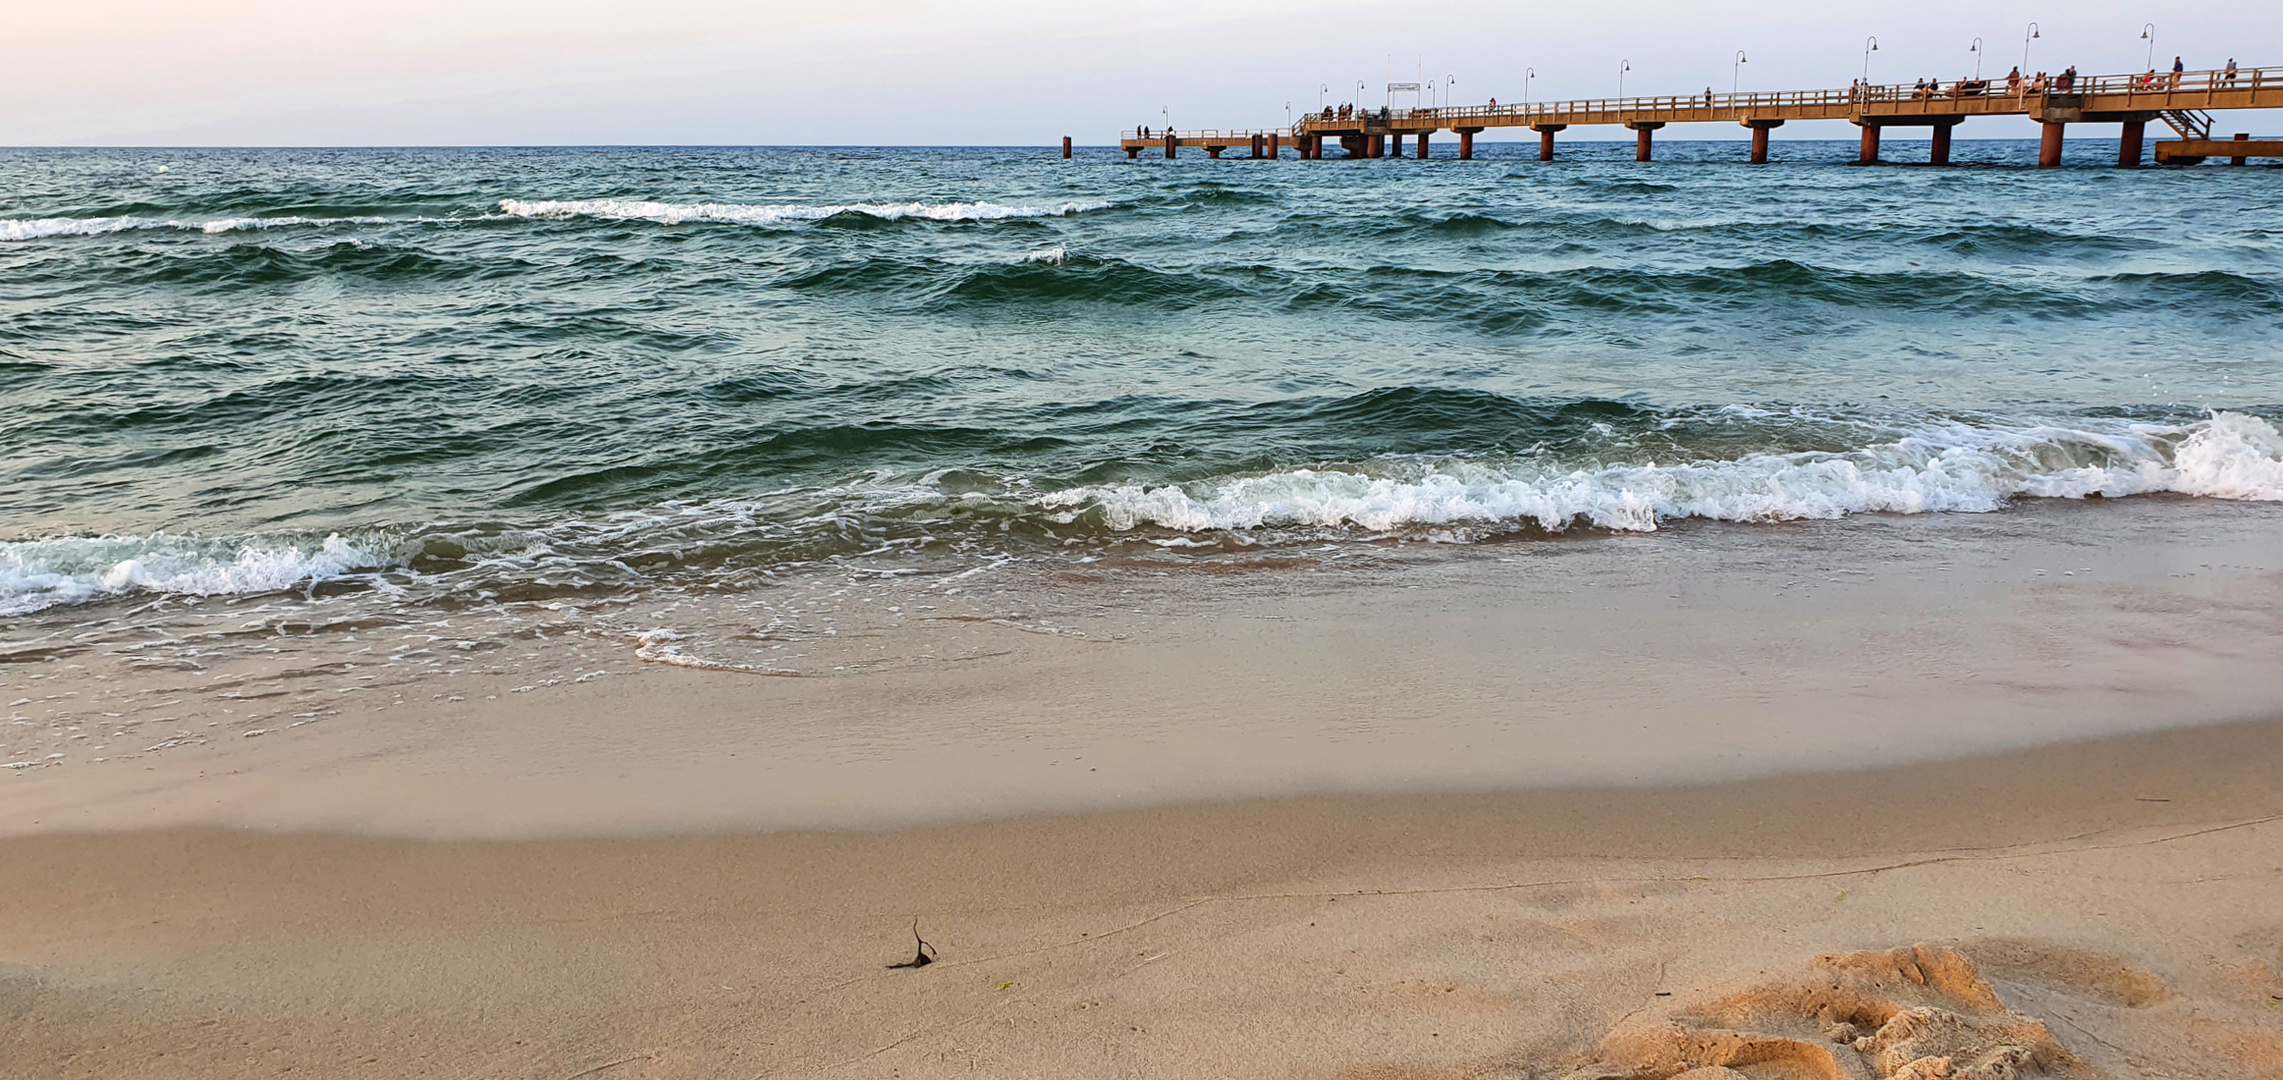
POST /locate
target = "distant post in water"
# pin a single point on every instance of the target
(1066, 148)
(1275, 147)
(1169, 144)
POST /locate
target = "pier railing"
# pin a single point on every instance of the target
(2146, 91)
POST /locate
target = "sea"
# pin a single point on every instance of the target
(454, 398)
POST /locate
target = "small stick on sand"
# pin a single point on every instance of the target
(922, 956)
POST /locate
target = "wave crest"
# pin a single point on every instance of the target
(665, 213)
(36, 574)
(1950, 468)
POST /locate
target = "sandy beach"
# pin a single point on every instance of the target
(1621, 809)
(2122, 893)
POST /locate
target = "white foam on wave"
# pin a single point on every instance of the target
(1955, 467)
(36, 574)
(665, 213)
(22, 229)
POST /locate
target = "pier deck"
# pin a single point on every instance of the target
(2185, 103)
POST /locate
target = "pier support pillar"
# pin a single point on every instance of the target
(1423, 145)
(1275, 146)
(1760, 130)
(1213, 152)
(1466, 144)
(1642, 139)
(1066, 148)
(1546, 139)
(1256, 148)
(1870, 152)
(2049, 145)
(2129, 142)
(1170, 143)
(2240, 136)
(1941, 153)
(1132, 152)
(1378, 147)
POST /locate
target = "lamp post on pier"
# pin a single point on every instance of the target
(2148, 34)
(2028, 35)
(1450, 88)
(1528, 74)
(1870, 45)
(1623, 66)
(1976, 49)
(1321, 90)
(1736, 73)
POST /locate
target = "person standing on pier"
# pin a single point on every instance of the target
(2178, 69)
(2231, 69)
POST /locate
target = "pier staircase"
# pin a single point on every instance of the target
(2190, 123)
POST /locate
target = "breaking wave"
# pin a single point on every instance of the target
(1947, 468)
(36, 574)
(21, 229)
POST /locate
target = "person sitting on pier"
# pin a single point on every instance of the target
(2013, 82)
(1707, 97)
(1918, 90)
(2068, 80)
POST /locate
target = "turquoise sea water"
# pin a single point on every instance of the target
(423, 376)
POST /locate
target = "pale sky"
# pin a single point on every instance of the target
(882, 72)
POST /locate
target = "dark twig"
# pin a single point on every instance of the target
(921, 956)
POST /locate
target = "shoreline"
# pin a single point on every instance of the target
(1687, 656)
(1396, 935)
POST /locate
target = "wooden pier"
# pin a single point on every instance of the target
(2184, 102)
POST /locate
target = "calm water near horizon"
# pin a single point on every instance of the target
(419, 380)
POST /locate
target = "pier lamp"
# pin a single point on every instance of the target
(1623, 66)
(2148, 34)
(1359, 95)
(1450, 89)
(1321, 90)
(1976, 49)
(1167, 112)
(1736, 73)
(1870, 45)
(2027, 36)
(1528, 74)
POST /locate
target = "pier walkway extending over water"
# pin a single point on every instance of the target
(2184, 102)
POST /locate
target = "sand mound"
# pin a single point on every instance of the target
(1915, 1013)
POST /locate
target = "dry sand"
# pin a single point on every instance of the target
(2124, 898)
